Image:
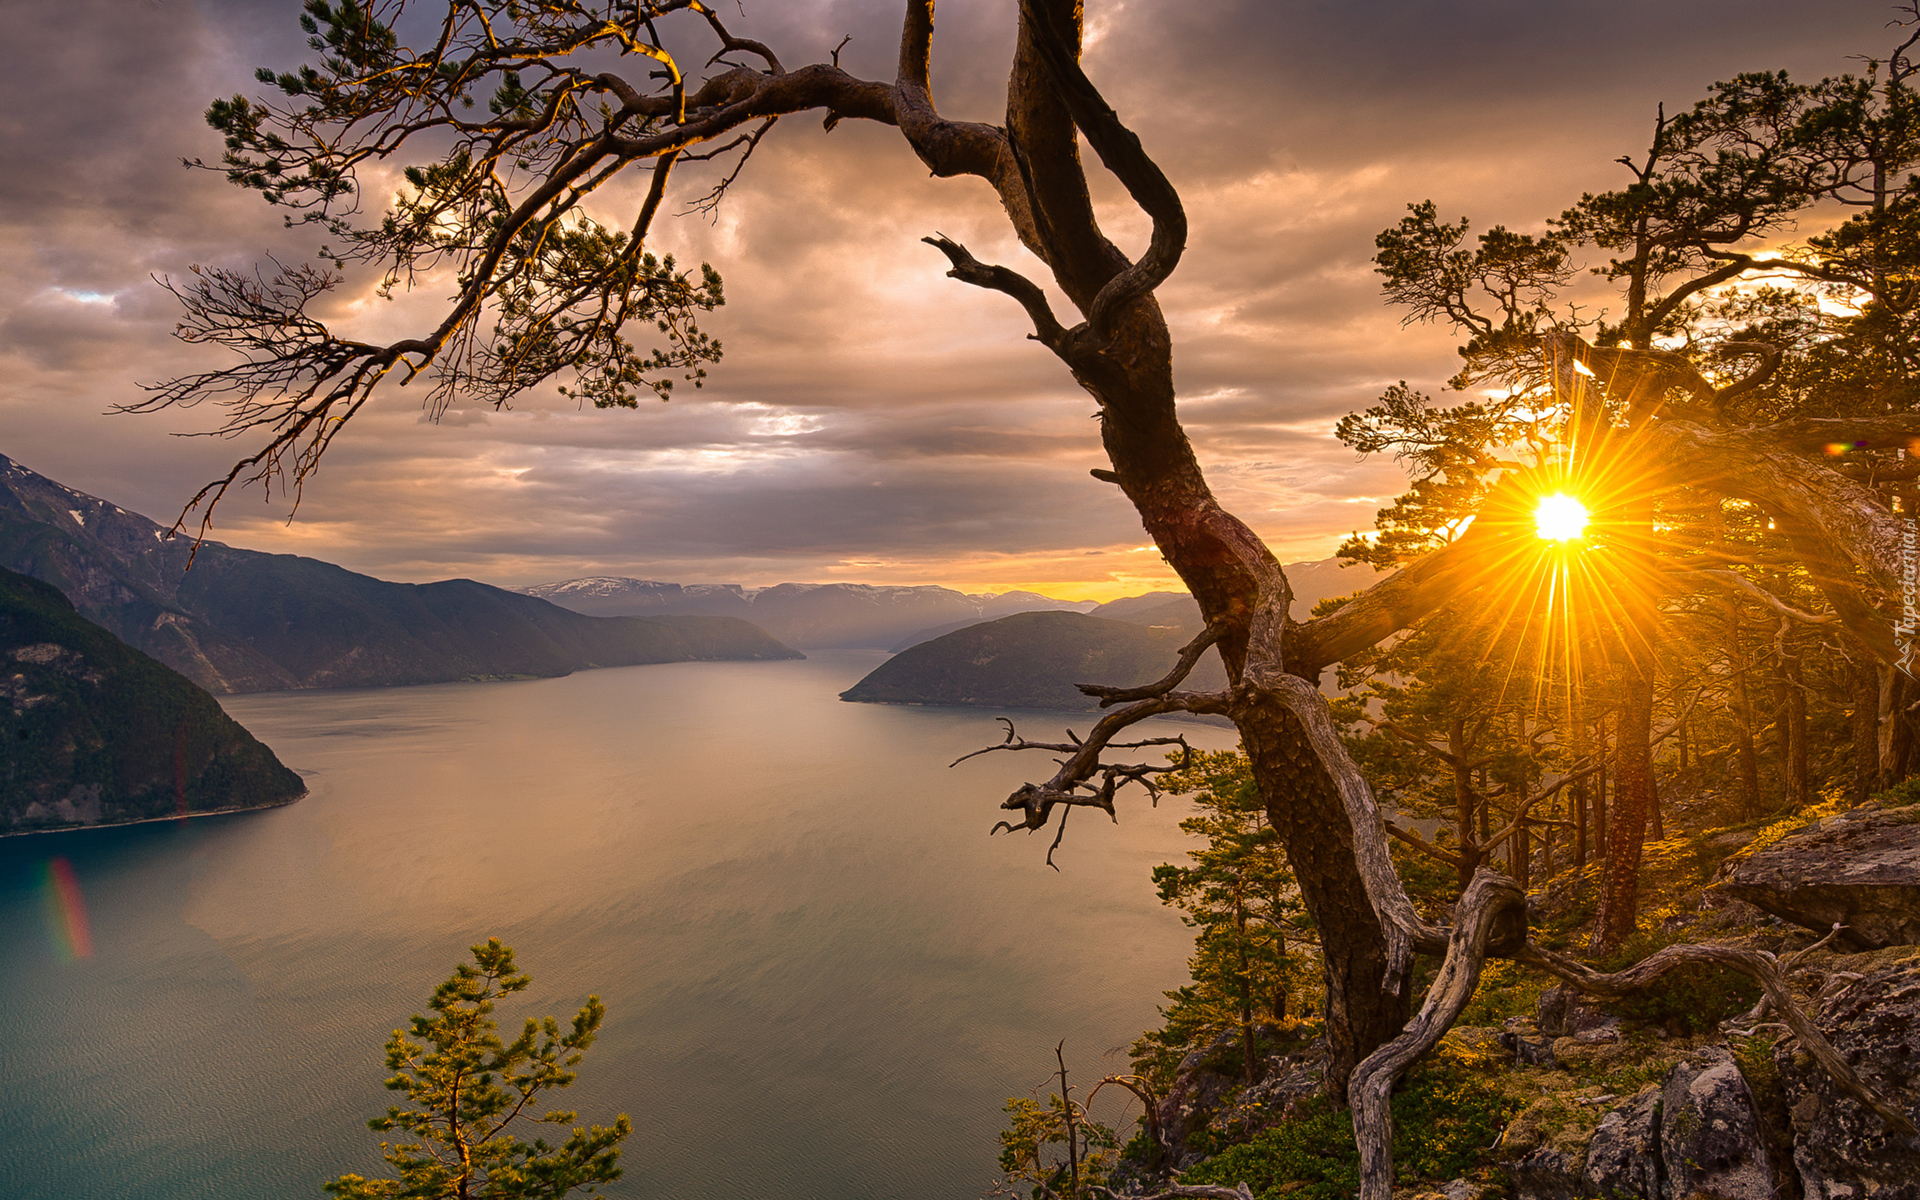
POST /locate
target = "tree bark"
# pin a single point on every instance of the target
(1463, 800)
(1627, 822)
(1364, 1006)
(1633, 764)
(1601, 779)
(1798, 784)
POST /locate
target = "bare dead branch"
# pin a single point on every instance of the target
(1140, 1088)
(711, 201)
(1752, 590)
(1787, 964)
(1073, 784)
(1189, 655)
(730, 43)
(1490, 918)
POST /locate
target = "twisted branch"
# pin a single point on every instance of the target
(1490, 918)
(1754, 965)
(967, 269)
(1120, 151)
(1189, 655)
(1071, 786)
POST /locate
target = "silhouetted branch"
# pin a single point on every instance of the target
(1120, 151)
(1047, 328)
(1073, 784)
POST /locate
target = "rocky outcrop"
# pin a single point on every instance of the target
(1843, 1151)
(1698, 1133)
(1860, 869)
(1208, 1092)
(1623, 1159)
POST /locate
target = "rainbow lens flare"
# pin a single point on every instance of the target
(67, 913)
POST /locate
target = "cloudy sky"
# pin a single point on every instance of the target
(872, 421)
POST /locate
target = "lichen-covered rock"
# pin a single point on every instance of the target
(1564, 1012)
(1711, 1141)
(1696, 1134)
(1207, 1091)
(1623, 1159)
(1842, 1150)
(1860, 869)
(1546, 1173)
(1522, 1043)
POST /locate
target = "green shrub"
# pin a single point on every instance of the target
(1506, 990)
(1444, 1118)
(1308, 1157)
(1689, 999)
(1904, 794)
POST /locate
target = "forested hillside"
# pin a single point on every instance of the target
(94, 732)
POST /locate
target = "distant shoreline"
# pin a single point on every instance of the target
(208, 812)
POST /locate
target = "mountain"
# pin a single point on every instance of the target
(1007, 603)
(1127, 608)
(243, 621)
(801, 614)
(1028, 660)
(1312, 582)
(93, 732)
(617, 596)
(1025, 662)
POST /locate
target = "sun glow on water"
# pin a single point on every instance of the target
(1560, 518)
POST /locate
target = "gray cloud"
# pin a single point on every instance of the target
(872, 420)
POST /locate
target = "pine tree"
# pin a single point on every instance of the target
(466, 1088)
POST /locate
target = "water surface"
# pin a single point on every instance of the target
(822, 977)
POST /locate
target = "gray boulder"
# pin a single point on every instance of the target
(1564, 1012)
(1697, 1134)
(1546, 1173)
(1844, 1151)
(1861, 869)
(1623, 1159)
(1711, 1141)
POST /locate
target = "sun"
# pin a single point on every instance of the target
(1560, 518)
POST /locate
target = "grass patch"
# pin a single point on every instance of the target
(1506, 989)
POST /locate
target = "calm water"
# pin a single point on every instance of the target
(822, 977)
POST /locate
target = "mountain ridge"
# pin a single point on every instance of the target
(245, 621)
(891, 616)
(808, 615)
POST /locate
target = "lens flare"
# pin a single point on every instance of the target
(1560, 518)
(67, 912)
